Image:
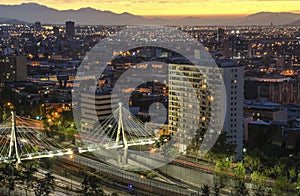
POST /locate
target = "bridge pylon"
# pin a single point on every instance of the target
(14, 151)
(121, 130)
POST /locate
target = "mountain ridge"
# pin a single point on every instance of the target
(31, 12)
(10, 21)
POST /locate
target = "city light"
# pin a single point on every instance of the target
(239, 85)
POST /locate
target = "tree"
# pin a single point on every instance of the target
(258, 181)
(167, 146)
(2, 175)
(32, 89)
(27, 176)
(222, 148)
(60, 123)
(2, 114)
(293, 174)
(241, 189)
(281, 186)
(239, 172)
(279, 169)
(45, 185)
(9, 176)
(90, 186)
(52, 122)
(269, 192)
(194, 147)
(298, 185)
(252, 163)
(47, 162)
(68, 125)
(240, 180)
(205, 190)
(222, 170)
(162, 140)
(8, 96)
(216, 188)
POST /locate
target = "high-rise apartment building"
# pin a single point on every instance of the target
(70, 29)
(235, 47)
(12, 68)
(37, 26)
(56, 31)
(233, 77)
(221, 34)
(207, 84)
(96, 107)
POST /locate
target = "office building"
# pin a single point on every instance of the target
(283, 90)
(70, 29)
(12, 68)
(96, 107)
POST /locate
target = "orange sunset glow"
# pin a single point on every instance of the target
(175, 8)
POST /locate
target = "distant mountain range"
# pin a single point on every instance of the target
(31, 12)
(10, 21)
(296, 23)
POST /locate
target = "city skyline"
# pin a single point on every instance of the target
(204, 99)
(171, 9)
(89, 106)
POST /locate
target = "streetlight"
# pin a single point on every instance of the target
(10, 105)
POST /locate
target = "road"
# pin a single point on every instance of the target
(134, 179)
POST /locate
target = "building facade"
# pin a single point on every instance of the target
(281, 90)
(96, 107)
(207, 84)
(70, 29)
(233, 77)
(12, 68)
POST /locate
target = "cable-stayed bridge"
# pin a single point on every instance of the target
(21, 140)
